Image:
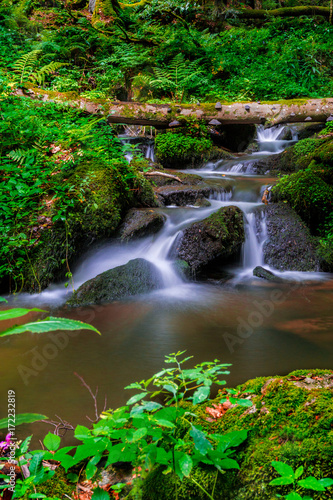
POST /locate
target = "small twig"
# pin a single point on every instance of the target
(161, 174)
(94, 397)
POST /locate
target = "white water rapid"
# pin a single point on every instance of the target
(232, 183)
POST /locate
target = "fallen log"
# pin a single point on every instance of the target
(176, 115)
(301, 10)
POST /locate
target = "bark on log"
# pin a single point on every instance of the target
(306, 10)
(164, 115)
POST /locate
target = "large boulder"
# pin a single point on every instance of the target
(182, 195)
(136, 277)
(141, 222)
(289, 246)
(219, 236)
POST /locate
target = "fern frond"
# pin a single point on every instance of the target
(18, 155)
(40, 75)
(25, 64)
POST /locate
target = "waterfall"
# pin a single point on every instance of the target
(256, 234)
(270, 141)
(269, 134)
(150, 153)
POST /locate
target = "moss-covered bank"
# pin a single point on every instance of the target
(291, 420)
(308, 188)
(101, 194)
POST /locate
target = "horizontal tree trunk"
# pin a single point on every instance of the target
(166, 115)
(306, 10)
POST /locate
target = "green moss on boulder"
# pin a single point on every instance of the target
(219, 236)
(136, 277)
(291, 420)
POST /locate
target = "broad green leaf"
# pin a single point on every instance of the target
(91, 470)
(311, 483)
(293, 496)
(23, 418)
(230, 439)
(326, 481)
(200, 441)
(139, 434)
(37, 495)
(280, 481)
(146, 406)
(164, 423)
(201, 394)
(51, 441)
(186, 464)
(228, 463)
(136, 398)
(25, 445)
(82, 432)
(16, 313)
(3, 300)
(283, 469)
(49, 325)
(100, 494)
(299, 471)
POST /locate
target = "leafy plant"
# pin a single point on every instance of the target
(290, 477)
(149, 434)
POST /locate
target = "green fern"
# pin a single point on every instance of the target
(178, 77)
(18, 155)
(25, 68)
(25, 65)
(39, 75)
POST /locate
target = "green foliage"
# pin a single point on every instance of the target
(62, 171)
(175, 148)
(290, 477)
(147, 434)
(178, 78)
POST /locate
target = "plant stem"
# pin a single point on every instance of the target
(202, 488)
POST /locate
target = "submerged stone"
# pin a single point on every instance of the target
(136, 277)
(261, 272)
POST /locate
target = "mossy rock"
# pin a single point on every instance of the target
(309, 195)
(291, 420)
(176, 150)
(136, 277)
(100, 196)
(218, 236)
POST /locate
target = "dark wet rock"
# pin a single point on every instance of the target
(182, 195)
(182, 268)
(305, 130)
(261, 272)
(219, 236)
(289, 246)
(202, 202)
(136, 277)
(271, 163)
(141, 222)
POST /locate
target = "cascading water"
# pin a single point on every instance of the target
(252, 254)
(230, 184)
(150, 153)
(271, 140)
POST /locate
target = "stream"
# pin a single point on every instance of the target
(261, 328)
